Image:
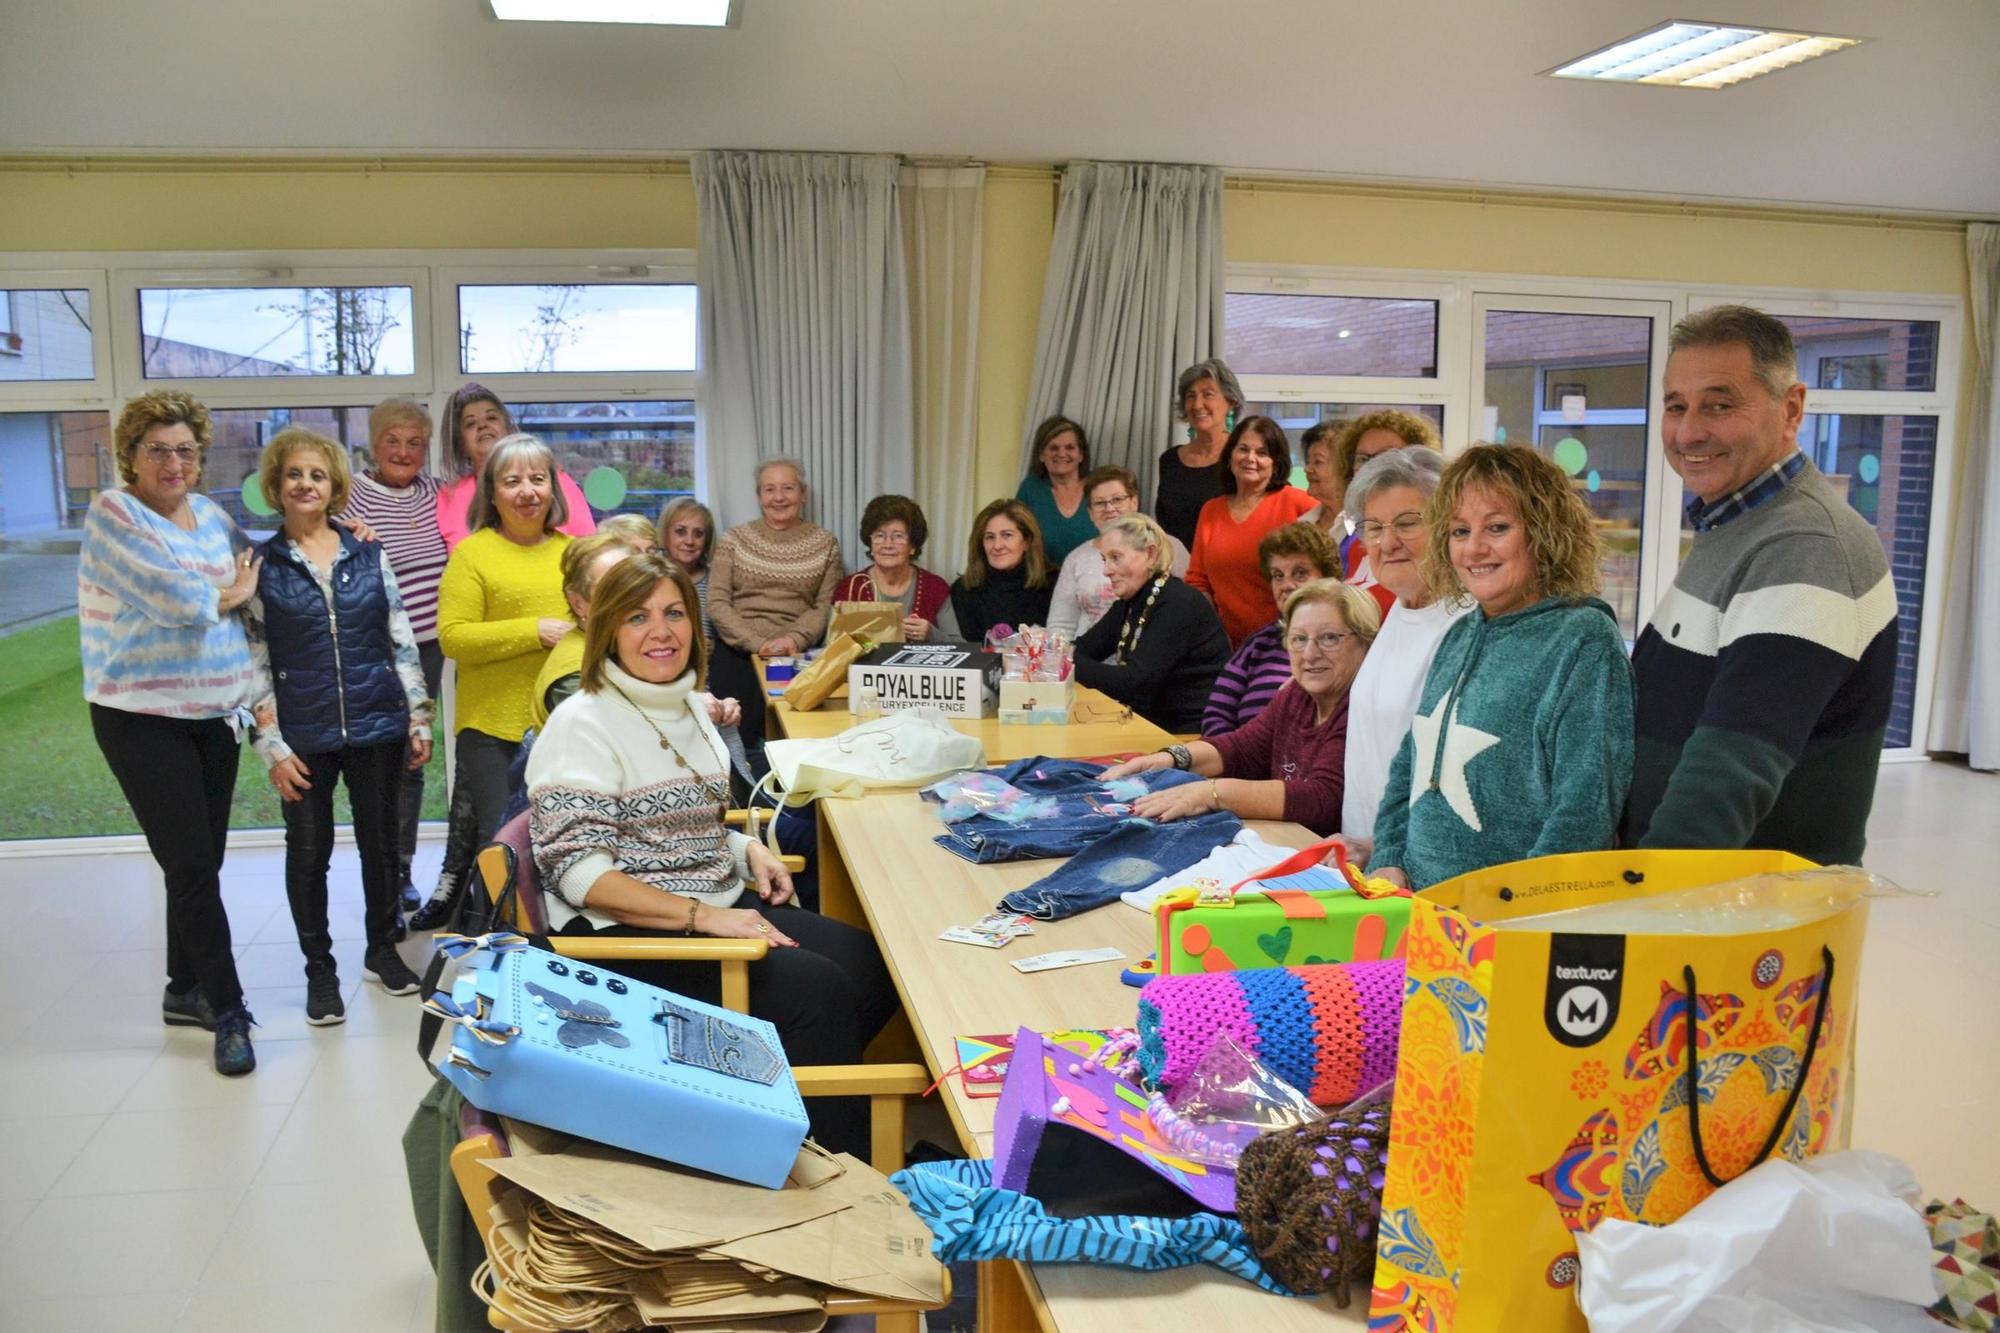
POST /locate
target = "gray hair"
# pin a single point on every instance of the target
(484, 513)
(1418, 469)
(1141, 533)
(1772, 355)
(1215, 368)
(798, 468)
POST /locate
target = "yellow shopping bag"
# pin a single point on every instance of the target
(1546, 1081)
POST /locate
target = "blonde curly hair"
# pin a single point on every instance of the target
(1415, 430)
(1562, 537)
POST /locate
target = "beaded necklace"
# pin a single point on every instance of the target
(1128, 637)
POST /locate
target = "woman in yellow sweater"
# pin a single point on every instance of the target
(500, 610)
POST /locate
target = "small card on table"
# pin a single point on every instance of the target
(1044, 962)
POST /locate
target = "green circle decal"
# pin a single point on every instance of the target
(1570, 455)
(1870, 469)
(1593, 482)
(253, 497)
(604, 488)
(1499, 435)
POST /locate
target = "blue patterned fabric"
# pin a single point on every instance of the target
(971, 1219)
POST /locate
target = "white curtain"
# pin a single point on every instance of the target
(1134, 296)
(943, 208)
(1966, 714)
(805, 332)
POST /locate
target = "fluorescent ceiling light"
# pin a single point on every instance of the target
(685, 13)
(1684, 54)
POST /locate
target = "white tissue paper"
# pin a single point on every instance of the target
(1835, 1245)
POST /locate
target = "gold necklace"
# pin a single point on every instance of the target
(673, 749)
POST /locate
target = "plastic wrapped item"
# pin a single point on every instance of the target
(1226, 1101)
(964, 795)
(1031, 653)
(1834, 1245)
(1310, 1198)
(1779, 900)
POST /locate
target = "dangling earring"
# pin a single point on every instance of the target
(1190, 434)
(1229, 420)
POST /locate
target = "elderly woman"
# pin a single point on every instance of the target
(1208, 398)
(475, 420)
(1006, 579)
(398, 500)
(1367, 437)
(1386, 502)
(687, 533)
(1292, 556)
(340, 664)
(500, 610)
(770, 590)
(169, 678)
(1257, 496)
(627, 787)
(1323, 483)
(1521, 744)
(1160, 646)
(1287, 764)
(894, 531)
(1054, 491)
(1082, 593)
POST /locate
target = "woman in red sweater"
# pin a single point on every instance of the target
(1257, 496)
(894, 530)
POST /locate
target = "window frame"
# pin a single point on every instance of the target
(64, 395)
(648, 269)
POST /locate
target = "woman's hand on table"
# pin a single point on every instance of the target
(743, 923)
(1144, 763)
(292, 778)
(1182, 802)
(768, 875)
(724, 712)
(916, 629)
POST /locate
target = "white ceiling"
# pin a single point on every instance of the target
(1420, 91)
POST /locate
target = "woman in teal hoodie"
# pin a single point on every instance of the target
(1522, 742)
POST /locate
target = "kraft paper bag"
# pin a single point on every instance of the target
(827, 672)
(880, 621)
(1547, 1081)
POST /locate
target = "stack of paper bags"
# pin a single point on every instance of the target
(733, 1256)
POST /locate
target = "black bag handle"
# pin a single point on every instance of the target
(1791, 1099)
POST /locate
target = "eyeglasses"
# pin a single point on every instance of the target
(1328, 642)
(1407, 525)
(184, 454)
(1108, 503)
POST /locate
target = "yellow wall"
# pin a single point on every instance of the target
(1019, 222)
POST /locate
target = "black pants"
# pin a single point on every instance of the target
(732, 675)
(827, 998)
(483, 765)
(410, 795)
(178, 775)
(374, 780)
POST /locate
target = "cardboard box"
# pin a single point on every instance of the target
(957, 681)
(1037, 701)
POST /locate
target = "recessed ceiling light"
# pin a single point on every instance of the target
(1346, 333)
(1684, 54)
(685, 13)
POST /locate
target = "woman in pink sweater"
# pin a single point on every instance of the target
(474, 420)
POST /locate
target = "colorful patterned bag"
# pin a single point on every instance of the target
(1547, 1081)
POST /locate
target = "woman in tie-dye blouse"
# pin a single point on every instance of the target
(168, 675)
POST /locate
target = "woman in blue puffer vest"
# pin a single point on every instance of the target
(328, 628)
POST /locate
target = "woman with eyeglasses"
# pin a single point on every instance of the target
(1083, 594)
(1386, 502)
(1292, 556)
(894, 530)
(1288, 763)
(162, 578)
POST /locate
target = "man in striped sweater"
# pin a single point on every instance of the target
(1765, 675)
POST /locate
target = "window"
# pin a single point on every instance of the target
(630, 458)
(1272, 333)
(45, 334)
(1894, 355)
(519, 328)
(201, 333)
(229, 474)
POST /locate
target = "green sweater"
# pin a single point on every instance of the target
(1522, 745)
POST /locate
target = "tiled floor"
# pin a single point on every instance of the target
(139, 1191)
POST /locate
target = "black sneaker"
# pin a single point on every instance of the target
(190, 1009)
(233, 1055)
(436, 914)
(385, 967)
(323, 1005)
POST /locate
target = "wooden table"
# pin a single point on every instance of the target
(879, 868)
(1099, 724)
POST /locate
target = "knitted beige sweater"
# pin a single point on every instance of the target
(765, 581)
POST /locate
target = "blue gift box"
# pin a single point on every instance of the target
(569, 1045)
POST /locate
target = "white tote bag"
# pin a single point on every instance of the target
(900, 750)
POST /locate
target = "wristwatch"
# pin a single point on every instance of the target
(1180, 755)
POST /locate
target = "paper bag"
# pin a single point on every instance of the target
(1543, 1080)
(810, 688)
(880, 621)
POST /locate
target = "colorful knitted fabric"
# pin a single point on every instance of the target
(1328, 1029)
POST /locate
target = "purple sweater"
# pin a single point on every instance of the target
(1247, 685)
(1284, 744)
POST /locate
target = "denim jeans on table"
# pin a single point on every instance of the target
(1131, 855)
(1077, 822)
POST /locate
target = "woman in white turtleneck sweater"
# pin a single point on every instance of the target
(627, 786)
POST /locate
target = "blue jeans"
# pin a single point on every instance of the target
(1078, 821)
(1133, 854)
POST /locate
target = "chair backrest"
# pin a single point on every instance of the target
(510, 858)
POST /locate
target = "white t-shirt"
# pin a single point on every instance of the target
(1382, 701)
